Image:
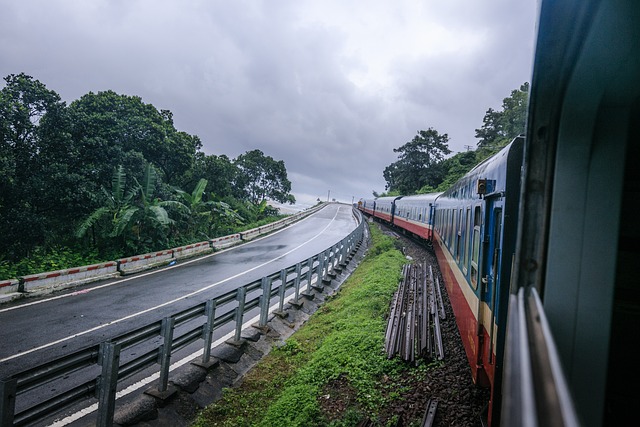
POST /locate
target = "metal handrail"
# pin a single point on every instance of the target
(107, 354)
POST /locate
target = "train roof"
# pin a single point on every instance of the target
(485, 167)
(493, 161)
(387, 198)
(419, 197)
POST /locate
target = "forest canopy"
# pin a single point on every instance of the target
(109, 176)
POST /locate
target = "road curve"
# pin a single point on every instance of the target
(37, 330)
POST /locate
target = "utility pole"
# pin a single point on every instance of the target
(328, 195)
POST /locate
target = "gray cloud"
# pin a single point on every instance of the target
(330, 87)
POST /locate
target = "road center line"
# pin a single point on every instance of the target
(113, 322)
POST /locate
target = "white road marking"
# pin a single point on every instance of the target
(113, 322)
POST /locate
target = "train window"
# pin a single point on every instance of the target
(445, 225)
(449, 227)
(475, 248)
(452, 223)
(459, 236)
(454, 228)
(465, 258)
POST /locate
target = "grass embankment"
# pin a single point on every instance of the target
(339, 350)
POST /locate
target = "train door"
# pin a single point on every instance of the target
(489, 267)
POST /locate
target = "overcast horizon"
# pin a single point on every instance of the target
(329, 87)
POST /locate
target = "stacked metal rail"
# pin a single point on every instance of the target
(413, 329)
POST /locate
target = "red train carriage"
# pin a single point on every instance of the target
(367, 206)
(384, 208)
(415, 214)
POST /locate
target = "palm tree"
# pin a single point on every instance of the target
(117, 211)
(205, 217)
(197, 209)
(150, 221)
(137, 219)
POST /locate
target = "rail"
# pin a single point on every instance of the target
(104, 362)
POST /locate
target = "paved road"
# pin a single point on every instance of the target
(35, 331)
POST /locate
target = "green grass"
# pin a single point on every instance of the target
(343, 340)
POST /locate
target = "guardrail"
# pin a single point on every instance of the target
(80, 275)
(106, 364)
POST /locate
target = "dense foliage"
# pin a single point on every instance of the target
(422, 166)
(109, 176)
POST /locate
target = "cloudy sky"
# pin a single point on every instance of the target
(328, 86)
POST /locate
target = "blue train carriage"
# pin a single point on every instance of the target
(367, 206)
(415, 214)
(475, 234)
(385, 208)
(574, 320)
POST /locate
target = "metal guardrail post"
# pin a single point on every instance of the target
(107, 383)
(165, 352)
(335, 256)
(282, 288)
(207, 332)
(343, 255)
(266, 296)
(327, 259)
(7, 401)
(241, 297)
(296, 284)
(309, 271)
(320, 269)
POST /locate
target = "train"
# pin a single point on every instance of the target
(472, 226)
(539, 244)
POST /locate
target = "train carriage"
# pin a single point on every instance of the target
(474, 233)
(367, 206)
(385, 208)
(415, 214)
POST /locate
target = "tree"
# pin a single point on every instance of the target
(111, 219)
(111, 129)
(34, 147)
(418, 163)
(500, 127)
(133, 220)
(219, 171)
(206, 217)
(454, 168)
(260, 177)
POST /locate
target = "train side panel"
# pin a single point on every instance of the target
(415, 213)
(474, 242)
